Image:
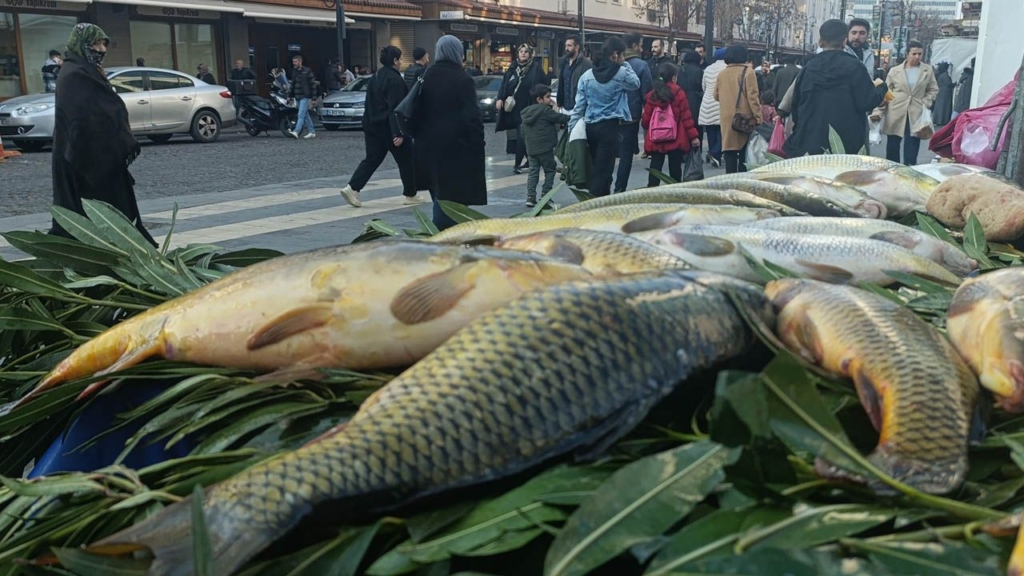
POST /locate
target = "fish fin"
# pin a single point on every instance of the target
(289, 324)
(599, 438)
(869, 396)
(908, 240)
(858, 177)
(826, 272)
(934, 476)
(651, 222)
(305, 369)
(432, 296)
(702, 245)
(566, 250)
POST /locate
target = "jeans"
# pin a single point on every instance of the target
(630, 135)
(714, 133)
(911, 147)
(604, 140)
(304, 117)
(538, 161)
(735, 160)
(675, 166)
(378, 144)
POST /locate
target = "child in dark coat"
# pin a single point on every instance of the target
(667, 94)
(540, 130)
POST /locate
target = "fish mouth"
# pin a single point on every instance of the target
(1007, 386)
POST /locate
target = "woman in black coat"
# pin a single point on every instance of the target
(520, 79)
(450, 132)
(942, 110)
(691, 77)
(93, 143)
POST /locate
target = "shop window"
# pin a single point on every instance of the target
(194, 44)
(152, 41)
(10, 68)
(128, 82)
(168, 81)
(39, 34)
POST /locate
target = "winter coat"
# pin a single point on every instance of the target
(208, 78)
(727, 87)
(384, 93)
(686, 130)
(93, 144)
(653, 63)
(520, 87)
(635, 98)
(242, 73)
(566, 97)
(908, 104)
(964, 86)
(412, 73)
(710, 112)
(601, 95)
(783, 79)
(691, 80)
(303, 84)
(540, 128)
(833, 90)
(50, 72)
(450, 135)
(942, 111)
(867, 57)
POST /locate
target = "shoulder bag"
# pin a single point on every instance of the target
(407, 109)
(743, 123)
(510, 102)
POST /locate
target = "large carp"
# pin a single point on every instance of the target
(680, 194)
(496, 399)
(360, 307)
(916, 389)
(599, 252)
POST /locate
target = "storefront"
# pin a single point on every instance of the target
(177, 38)
(472, 41)
(29, 29)
(503, 47)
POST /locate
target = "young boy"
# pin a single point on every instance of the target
(540, 130)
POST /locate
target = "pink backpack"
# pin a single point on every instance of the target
(664, 127)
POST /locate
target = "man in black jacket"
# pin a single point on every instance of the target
(413, 73)
(834, 90)
(571, 68)
(659, 55)
(204, 74)
(303, 90)
(784, 76)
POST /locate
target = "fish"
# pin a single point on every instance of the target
(943, 171)
(833, 259)
(1015, 566)
(792, 196)
(901, 188)
(598, 252)
(681, 194)
(985, 322)
(627, 218)
(917, 391)
(498, 398)
(847, 195)
(360, 307)
(950, 257)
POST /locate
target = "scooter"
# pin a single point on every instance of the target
(259, 114)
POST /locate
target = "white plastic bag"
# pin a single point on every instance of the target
(923, 127)
(875, 134)
(757, 149)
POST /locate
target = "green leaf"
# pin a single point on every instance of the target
(769, 158)
(202, 552)
(426, 224)
(811, 526)
(974, 242)
(243, 258)
(73, 483)
(170, 232)
(945, 558)
(639, 501)
(85, 231)
(835, 142)
(62, 251)
(460, 213)
(116, 228)
(765, 562)
(581, 195)
(918, 283)
(933, 227)
(21, 319)
(382, 227)
(661, 176)
(86, 564)
(156, 275)
(544, 201)
(21, 278)
(711, 536)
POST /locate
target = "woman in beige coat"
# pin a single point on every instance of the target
(915, 88)
(727, 92)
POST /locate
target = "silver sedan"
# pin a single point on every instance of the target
(160, 103)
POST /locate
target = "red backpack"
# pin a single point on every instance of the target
(663, 127)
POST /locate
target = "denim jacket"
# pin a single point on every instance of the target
(596, 102)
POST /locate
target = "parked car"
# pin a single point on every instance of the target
(161, 103)
(487, 87)
(344, 108)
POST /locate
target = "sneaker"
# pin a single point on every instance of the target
(715, 163)
(309, 135)
(517, 170)
(410, 200)
(531, 201)
(351, 196)
(293, 134)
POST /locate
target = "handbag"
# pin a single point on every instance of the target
(778, 139)
(510, 102)
(742, 123)
(693, 168)
(407, 109)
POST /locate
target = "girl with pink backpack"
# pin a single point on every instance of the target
(670, 130)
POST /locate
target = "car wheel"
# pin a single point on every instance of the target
(30, 145)
(332, 127)
(205, 127)
(160, 138)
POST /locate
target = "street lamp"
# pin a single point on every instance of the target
(339, 17)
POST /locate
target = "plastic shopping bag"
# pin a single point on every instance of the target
(693, 167)
(778, 139)
(875, 133)
(757, 148)
(923, 127)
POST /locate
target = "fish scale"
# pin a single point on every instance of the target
(499, 397)
(918, 391)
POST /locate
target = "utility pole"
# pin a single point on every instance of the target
(842, 10)
(583, 28)
(709, 30)
(339, 19)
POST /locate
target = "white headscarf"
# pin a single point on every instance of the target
(449, 49)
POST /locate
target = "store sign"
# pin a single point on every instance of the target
(295, 47)
(46, 5)
(546, 34)
(187, 13)
(464, 28)
(504, 31)
(453, 15)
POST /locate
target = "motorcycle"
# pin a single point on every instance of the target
(260, 114)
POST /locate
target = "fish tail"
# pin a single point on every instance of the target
(122, 346)
(938, 476)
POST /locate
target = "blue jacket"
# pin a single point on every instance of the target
(637, 97)
(596, 101)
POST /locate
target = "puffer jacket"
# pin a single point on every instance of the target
(710, 111)
(303, 84)
(686, 131)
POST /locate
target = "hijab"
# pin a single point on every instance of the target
(82, 38)
(449, 49)
(522, 68)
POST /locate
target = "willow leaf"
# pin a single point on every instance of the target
(116, 228)
(264, 417)
(426, 224)
(382, 227)
(54, 486)
(202, 552)
(21, 278)
(544, 201)
(64, 252)
(85, 231)
(835, 142)
(21, 319)
(460, 213)
(581, 195)
(932, 226)
(709, 537)
(810, 526)
(661, 176)
(638, 502)
(918, 283)
(243, 258)
(935, 559)
(85, 564)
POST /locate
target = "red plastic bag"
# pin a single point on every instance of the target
(968, 137)
(778, 138)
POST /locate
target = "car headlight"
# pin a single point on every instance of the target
(32, 109)
(487, 101)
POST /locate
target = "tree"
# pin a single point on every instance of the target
(676, 14)
(929, 28)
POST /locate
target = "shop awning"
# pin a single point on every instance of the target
(211, 5)
(276, 12)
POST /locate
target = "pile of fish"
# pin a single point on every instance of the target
(646, 288)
